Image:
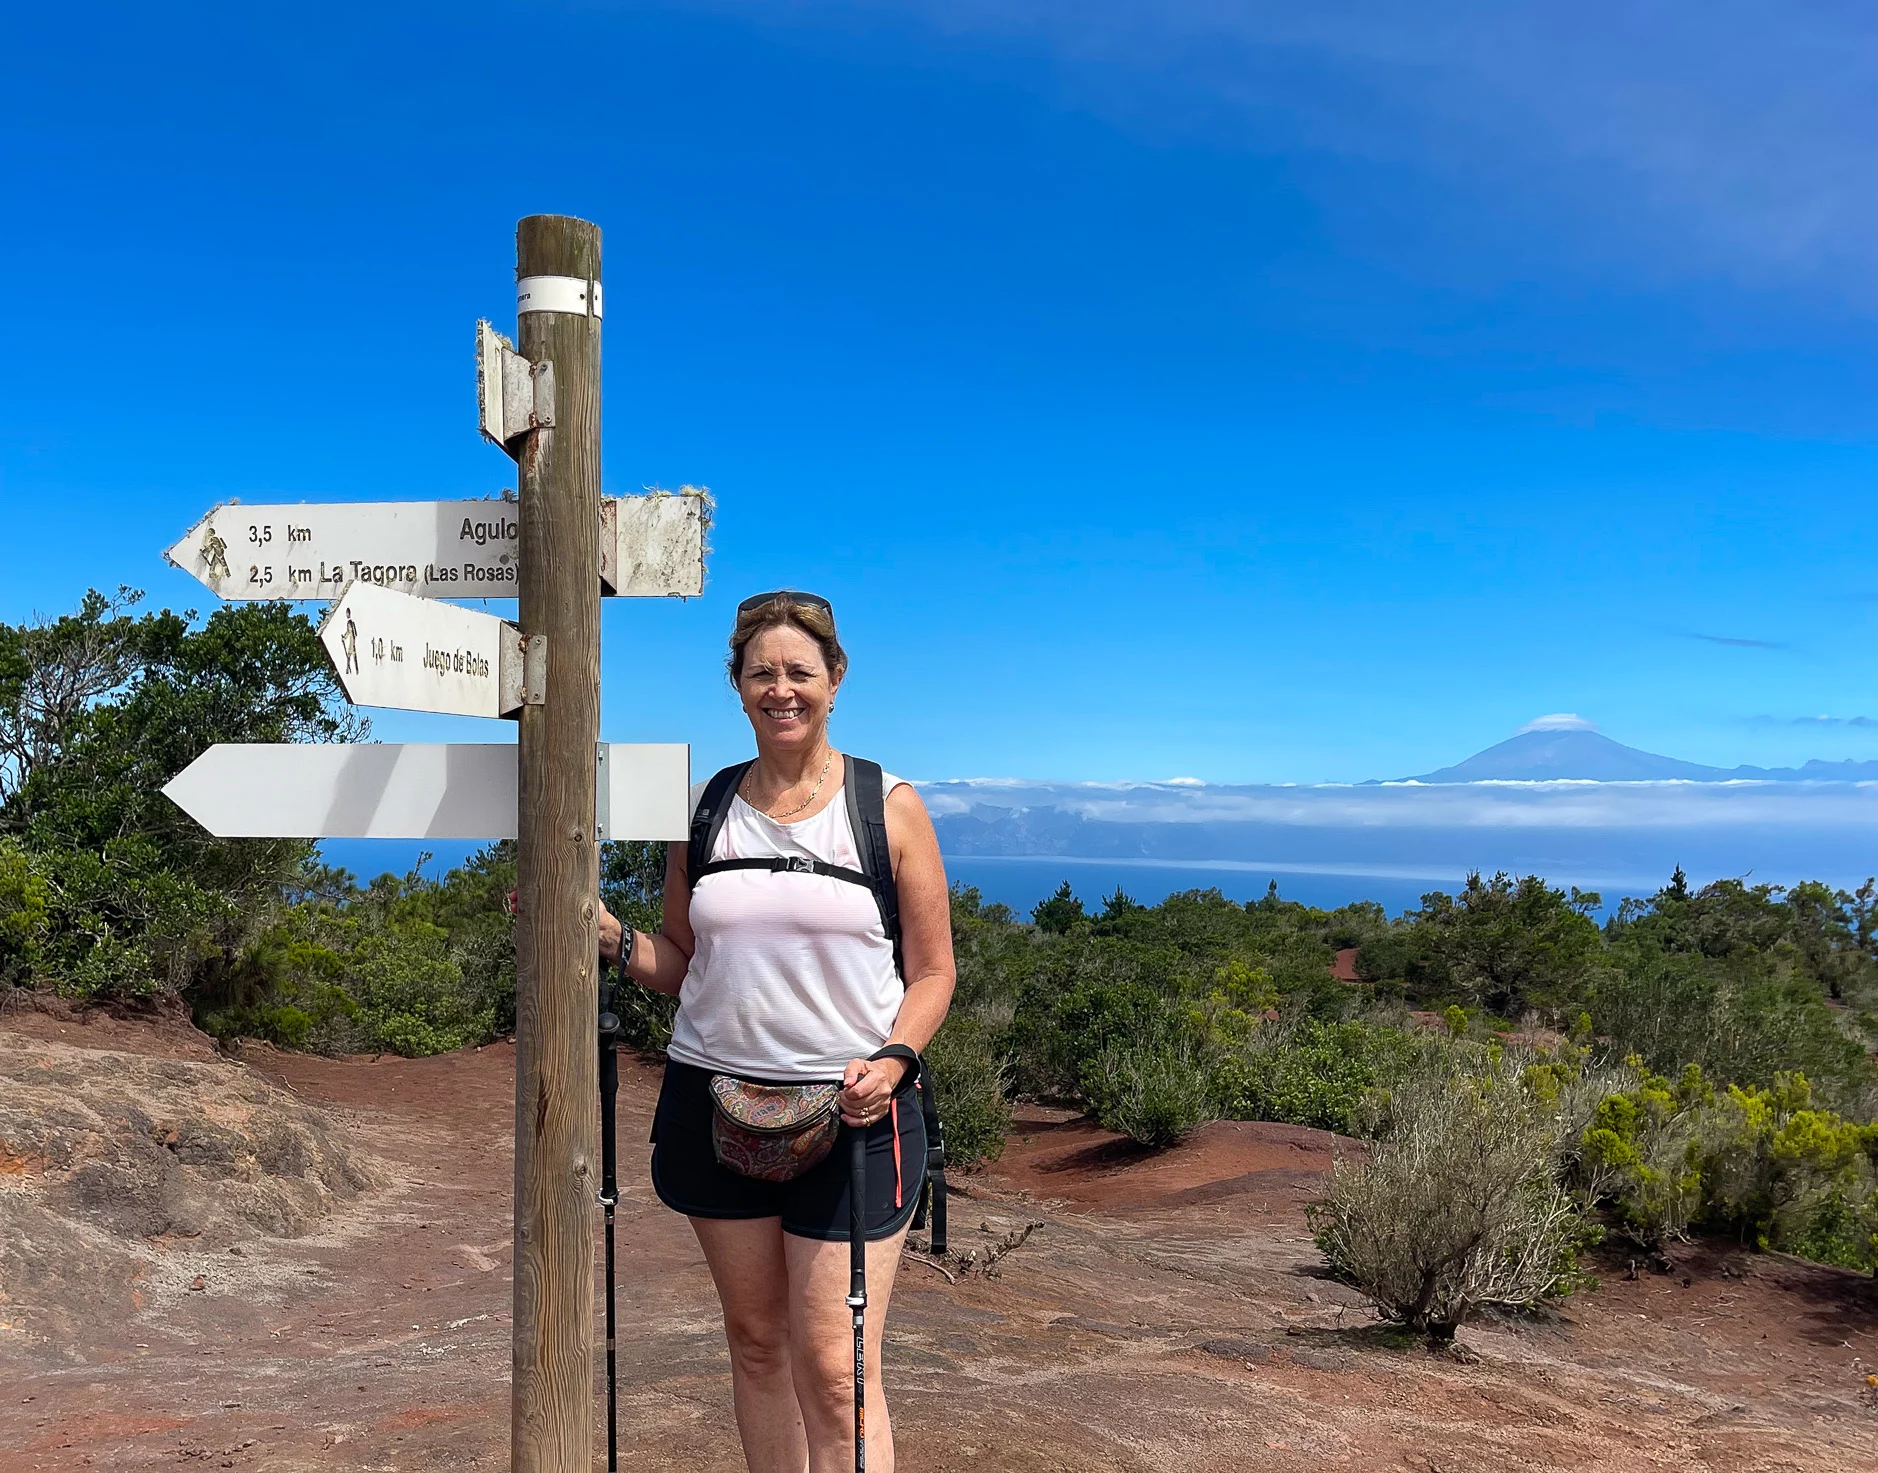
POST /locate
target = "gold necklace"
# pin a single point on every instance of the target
(814, 792)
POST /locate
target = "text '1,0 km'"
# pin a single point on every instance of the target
(417, 654)
(650, 546)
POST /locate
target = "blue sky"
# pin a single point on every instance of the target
(1242, 391)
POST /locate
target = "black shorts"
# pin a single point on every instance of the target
(688, 1178)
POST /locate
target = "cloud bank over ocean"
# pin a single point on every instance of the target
(1613, 834)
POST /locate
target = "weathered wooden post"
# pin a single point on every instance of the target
(556, 934)
(392, 647)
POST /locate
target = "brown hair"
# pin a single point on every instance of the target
(813, 620)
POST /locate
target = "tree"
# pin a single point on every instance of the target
(1509, 943)
(102, 708)
(53, 671)
(1060, 913)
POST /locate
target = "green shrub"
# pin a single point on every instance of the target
(1308, 1073)
(1641, 1153)
(1743, 1017)
(367, 974)
(1061, 913)
(1782, 1173)
(98, 710)
(1507, 943)
(25, 914)
(410, 992)
(281, 1024)
(1766, 1164)
(969, 1077)
(1155, 1094)
(1056, 1033)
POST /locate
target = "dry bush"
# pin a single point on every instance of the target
(1458, 1206)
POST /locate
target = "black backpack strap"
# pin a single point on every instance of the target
(867, 816)
(786, 864)
(708, 817)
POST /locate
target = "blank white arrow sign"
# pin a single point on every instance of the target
(388, 790)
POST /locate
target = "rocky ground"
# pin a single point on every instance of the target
(275, 1261)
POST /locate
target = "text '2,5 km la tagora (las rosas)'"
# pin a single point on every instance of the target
(650, 546)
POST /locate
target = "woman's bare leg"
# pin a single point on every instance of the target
(821, 1342)
(751, 1272)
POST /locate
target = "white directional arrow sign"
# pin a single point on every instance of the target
(375, 790)
(417, 654)
(440, 549)
(650, 546)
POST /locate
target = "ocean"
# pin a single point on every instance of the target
(1021, 881)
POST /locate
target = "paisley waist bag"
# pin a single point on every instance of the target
(772, 1132)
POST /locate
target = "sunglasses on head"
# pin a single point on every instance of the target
(807, 600)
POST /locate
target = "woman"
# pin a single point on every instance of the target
(789, 977)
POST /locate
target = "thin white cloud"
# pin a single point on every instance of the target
(1487, 805)
(1736, 136)
(1558, 721)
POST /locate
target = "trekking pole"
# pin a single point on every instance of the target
(609, 1198)
(857, 1283)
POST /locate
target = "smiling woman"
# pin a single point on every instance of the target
(809, 977)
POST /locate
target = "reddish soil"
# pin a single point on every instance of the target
(1167, 1314)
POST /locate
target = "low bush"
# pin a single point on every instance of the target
(25, 912)
(970, 1080)
(1155, 1094)
(411, 995)
(1640, 1154)
(1780, 1172)
(1308, 1072)
(1457, 1207)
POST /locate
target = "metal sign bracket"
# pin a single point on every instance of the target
(513, 395)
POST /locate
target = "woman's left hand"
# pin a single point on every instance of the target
(867, 1087)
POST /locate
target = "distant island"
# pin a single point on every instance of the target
(1579, 753)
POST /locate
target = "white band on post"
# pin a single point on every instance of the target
(557, 294)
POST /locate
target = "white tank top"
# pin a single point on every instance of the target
(792, 974)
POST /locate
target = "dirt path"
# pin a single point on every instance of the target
(1166, 1315)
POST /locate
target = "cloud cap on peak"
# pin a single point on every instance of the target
(1557, 721)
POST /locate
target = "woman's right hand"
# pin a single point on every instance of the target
(612, 934)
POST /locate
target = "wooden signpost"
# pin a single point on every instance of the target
(557, 936)
(557, 790)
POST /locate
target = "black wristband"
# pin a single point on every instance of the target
(627, 935)
(907, 1055)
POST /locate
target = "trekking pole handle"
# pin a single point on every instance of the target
(608, 1029)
